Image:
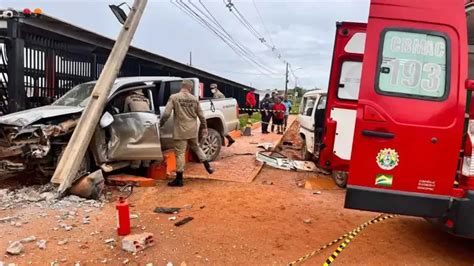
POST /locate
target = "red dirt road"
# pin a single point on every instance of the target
(238, 224)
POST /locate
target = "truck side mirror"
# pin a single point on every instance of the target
(469, 84)
(106, 120)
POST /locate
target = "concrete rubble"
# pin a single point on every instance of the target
(41, 244)
(44, 197)
(137, 242)
(28, 239)
(15, 248)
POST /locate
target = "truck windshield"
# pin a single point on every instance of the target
(77, 96)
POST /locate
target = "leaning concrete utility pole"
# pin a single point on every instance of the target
(80, 139)
(286, 79)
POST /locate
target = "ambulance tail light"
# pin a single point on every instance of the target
(468, 160)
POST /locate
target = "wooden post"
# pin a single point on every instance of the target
(80, 139)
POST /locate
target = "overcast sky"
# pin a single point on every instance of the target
(302, 31)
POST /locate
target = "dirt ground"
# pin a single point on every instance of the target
(270, 221)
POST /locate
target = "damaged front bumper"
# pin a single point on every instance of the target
(22, 147)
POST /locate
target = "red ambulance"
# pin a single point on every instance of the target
(412, 151)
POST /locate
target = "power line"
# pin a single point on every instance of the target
(241, 18)
(185, 8)
(217, 29)
(264, 26)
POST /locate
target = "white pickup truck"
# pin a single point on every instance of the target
(311, 118)
(34, 139)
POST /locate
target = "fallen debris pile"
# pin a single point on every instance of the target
(280, 161)
(43, 196)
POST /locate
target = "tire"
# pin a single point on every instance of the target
(211, 144)
(340, 177)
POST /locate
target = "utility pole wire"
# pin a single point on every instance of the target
(228, 41)
(264, 26)
(216, 23)
(240, 17)
(239, 50)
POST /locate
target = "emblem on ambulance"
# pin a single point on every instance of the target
(387, 159)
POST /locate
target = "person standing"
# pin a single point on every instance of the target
(279, 109)
(273, 101)
(186, 110)
(137, 102)
(265, 111)
(250, 103)
(288, 106)
(217, 94)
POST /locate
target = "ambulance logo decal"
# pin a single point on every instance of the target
(387, 159)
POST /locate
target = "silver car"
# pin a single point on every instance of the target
(33, 140)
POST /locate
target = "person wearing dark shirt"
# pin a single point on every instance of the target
(265, 111)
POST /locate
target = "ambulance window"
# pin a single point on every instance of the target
(413, 64)
(349, 82)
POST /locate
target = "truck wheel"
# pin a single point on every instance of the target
(340, 177)
(211, 144)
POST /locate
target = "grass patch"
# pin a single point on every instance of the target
(256, 117)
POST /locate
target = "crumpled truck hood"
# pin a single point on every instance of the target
(28, 117)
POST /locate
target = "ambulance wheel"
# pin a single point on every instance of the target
(211, 144)
(340, 177)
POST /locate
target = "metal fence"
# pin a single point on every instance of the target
(38, 66)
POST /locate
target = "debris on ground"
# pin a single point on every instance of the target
(265, 182)
(167, 210)
(280, 161)
(172, 218)
(15, 248)
(266, 146)
(28, 239)
(63, 242)
(7, 219)
(184, 221)
(237, 154)
(133, 216)
(89, 186)
(86, 220)
(42, 196)
(41, 244)
(307, 221)
(137, 242)
(109, 241)
(188, 206)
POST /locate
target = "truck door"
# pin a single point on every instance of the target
(134, 135)
(342, 96)
(411, 110)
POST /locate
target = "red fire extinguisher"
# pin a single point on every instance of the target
(123, 217)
